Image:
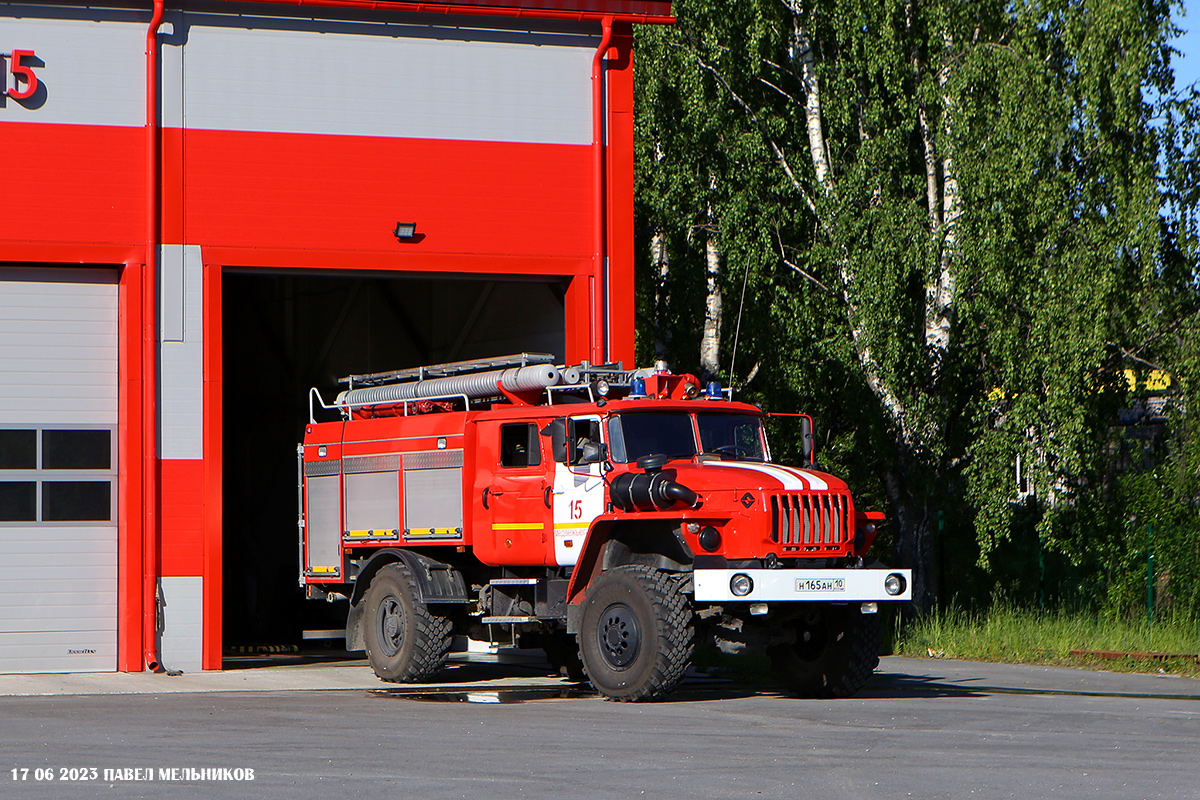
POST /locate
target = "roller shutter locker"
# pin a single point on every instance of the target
(58, 469)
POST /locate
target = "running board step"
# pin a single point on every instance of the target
(506, 620)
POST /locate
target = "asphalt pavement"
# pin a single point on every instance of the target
(498, 727)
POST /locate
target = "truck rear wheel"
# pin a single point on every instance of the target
(405, 641)
(834, 651)
(637, 636)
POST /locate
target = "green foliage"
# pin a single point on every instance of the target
(1069, 230)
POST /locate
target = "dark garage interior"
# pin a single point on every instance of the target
(285, 333)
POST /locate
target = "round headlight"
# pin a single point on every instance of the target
(710, 538)
(894, 584)
(741, 585)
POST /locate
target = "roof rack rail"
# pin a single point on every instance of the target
(448, 369)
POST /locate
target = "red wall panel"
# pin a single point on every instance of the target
(344, 193)
(181, 487)
(619, 179)
(72, 183)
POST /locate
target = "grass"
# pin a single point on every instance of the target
(1014, 635)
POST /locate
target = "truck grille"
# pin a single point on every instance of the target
(815, 521)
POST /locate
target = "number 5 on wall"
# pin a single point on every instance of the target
(21, 71)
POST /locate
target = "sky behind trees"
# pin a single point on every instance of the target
(1187, 65)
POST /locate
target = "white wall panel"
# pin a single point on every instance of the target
(181, 642)
(431, 80)
(94, 71)
(181, 368)
(415, 82)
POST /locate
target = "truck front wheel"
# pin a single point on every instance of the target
(828, 651)
(637, 637)
(405, 641)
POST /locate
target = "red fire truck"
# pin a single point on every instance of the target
(616, 517)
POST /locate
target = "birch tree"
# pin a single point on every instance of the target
(944, 210)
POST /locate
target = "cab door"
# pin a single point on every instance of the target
(512, 483)
(578, 491)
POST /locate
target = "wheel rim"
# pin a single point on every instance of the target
(619, 636)
(389, 624)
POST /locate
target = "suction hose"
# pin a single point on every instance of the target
(474, 386)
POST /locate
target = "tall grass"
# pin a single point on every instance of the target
(1007, 633)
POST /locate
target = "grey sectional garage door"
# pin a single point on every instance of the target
(58, 469)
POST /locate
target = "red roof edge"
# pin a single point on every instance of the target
(635, 11)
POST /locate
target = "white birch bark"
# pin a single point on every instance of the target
(710, 339)
(805, 69)
(932, 193)
(660, 258)
(939, 298)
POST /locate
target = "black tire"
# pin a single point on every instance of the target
(562, 651)
(637, 636)
(405, 641)
(833, 653)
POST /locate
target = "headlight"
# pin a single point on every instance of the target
(741, 585)
(894, 584)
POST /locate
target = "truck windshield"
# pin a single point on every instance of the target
(668, 433)
(733, 436)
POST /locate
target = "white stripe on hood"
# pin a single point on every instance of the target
(793, 480)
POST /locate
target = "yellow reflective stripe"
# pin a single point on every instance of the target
(518, 526)
(413, 533)
(324, 570)
(582, 526)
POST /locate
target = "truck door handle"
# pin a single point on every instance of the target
(546, 495)
(486, 489)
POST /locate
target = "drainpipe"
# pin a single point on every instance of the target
(599, 279)
(150, 355)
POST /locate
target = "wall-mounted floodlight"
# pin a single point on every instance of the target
(405, 230)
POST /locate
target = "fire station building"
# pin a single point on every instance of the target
(210, 207)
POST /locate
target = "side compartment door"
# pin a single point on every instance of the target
(511, 483)
(322, 468)
(578, 492)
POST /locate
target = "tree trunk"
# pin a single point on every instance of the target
(939, 302)
(660, 258)
(914, 540)
(710, 341)
(805, 69)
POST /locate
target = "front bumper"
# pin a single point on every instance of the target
(783, 585)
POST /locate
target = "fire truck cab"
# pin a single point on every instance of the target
(616, 517)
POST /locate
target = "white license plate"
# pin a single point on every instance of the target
(820, 585)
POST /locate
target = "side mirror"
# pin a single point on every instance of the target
(562, 447)
(592, 452)
(808, 443)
